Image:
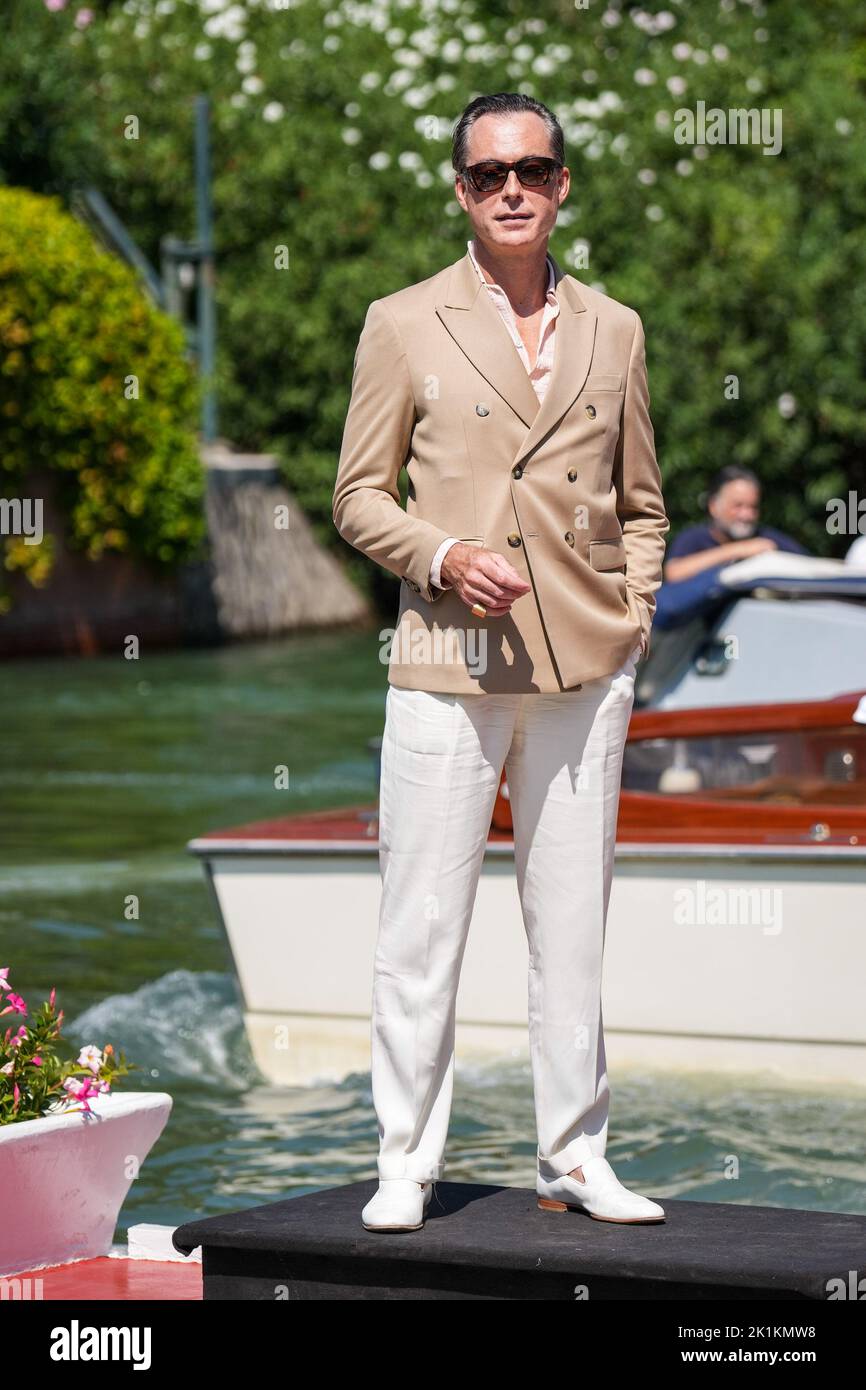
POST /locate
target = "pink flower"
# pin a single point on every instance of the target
(37, 1061)
(14, 1004)
(77, 1090)
(55, 4)
(83, 18)
(4, 973)
(52, 996)
(19, 1037)
(80, 1089)
(8, 1069)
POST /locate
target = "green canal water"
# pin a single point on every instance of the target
(110, 766)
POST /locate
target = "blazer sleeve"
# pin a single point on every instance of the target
(637, 480)
(376, 443)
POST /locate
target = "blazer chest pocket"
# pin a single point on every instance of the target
(612, 381)
(607, 554)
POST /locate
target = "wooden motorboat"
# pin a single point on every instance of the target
(736, 936)
(776, 627)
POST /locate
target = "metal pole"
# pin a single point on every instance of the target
(206, 276)
(90, 202)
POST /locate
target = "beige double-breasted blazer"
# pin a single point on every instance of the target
(568, 490)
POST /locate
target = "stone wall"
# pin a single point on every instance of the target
(257, 579)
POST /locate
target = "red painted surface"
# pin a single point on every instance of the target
(643, 819)
(783, 813)
(793, 716)
(107, 1280)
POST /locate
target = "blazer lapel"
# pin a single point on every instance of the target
(473, 320)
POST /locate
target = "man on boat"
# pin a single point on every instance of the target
(732, 530)
(530, 550)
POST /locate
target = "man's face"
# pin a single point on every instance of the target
(514, 218)
(736, 508)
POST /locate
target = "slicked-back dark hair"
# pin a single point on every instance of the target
(501, 104)
(731, 473)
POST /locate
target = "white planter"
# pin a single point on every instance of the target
(64, 1177)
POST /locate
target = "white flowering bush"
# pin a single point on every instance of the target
(331, 129)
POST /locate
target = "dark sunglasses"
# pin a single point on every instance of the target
(533, 171)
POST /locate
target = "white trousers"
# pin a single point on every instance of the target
(442, 759)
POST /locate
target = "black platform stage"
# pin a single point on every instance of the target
(483, 1242)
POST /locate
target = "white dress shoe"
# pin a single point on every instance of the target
(399, 1205)
(602, 1194)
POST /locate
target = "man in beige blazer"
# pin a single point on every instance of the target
(530, 550)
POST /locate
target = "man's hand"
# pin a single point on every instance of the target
(754, 545)
(483, 576)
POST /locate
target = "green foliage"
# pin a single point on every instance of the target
(76, 335)
(41, 1072)
(331, 134)
(48, 134)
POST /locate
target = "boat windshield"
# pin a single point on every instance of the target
(811, 765)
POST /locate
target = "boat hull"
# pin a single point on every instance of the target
(716, 958)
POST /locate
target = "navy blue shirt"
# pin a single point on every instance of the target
(695, 538)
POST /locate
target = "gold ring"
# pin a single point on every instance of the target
(479, 610)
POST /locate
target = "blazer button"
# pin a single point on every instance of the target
(591, 412)
(517, 471)
(514, 539)
(482, 409)
(569, 536)
(572, 475)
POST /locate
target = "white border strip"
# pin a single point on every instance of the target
(631, 850)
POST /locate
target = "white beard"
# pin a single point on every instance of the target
(738, 530)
